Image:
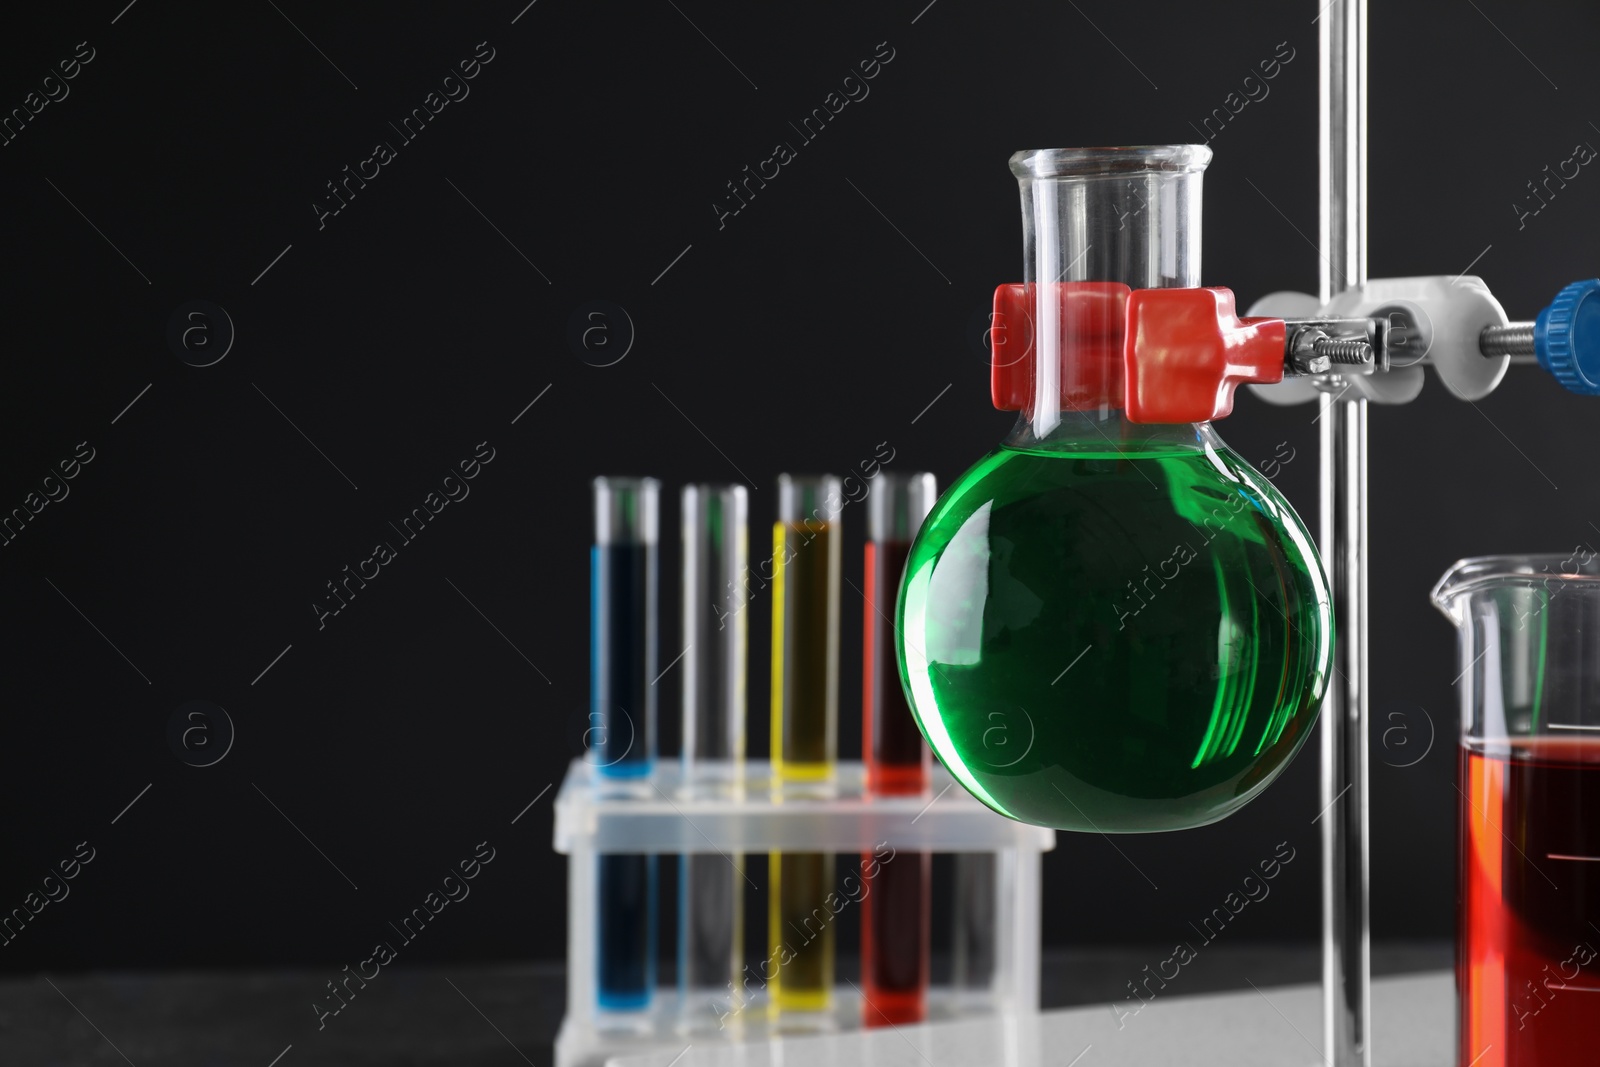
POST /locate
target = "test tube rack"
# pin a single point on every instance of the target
(666, 815)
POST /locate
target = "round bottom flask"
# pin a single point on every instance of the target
(1110, 626)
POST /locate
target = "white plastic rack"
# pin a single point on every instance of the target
(717, 813)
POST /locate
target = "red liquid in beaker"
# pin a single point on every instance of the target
(1527, 967)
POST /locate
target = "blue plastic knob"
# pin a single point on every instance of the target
(1566, 337)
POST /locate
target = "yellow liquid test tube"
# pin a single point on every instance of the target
(805, 729)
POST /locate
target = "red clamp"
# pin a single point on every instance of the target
(1163, 355)
(1091, 320)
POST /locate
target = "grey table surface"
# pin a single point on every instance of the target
(494, 1016)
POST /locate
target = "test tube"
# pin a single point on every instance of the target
(896, 903)
(973, 927)
(621, 736)
(711, 897)
(897, 760)
(805, 728)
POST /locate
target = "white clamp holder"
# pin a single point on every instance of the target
(1438, 320)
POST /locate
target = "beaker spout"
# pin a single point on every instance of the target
(1477, 574)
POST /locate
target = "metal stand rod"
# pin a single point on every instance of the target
(1346, 943)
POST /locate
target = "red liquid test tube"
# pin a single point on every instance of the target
(896, 907)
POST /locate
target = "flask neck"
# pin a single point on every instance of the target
(1107, 432)
(1116, 216)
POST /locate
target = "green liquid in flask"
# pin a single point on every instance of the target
(1115, 641)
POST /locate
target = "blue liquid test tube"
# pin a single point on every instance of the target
(622, 722)
(715, 629)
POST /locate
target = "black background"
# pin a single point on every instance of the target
(800, 335)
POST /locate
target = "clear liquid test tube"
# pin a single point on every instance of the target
(805, 727)
(711, 885)
(973, 932)
(621, 734)
(896, 906)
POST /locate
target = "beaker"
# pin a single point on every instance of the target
(1110, 625)
(1528, 876)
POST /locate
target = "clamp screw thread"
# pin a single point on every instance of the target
(1512, 339)
(1344, 351)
